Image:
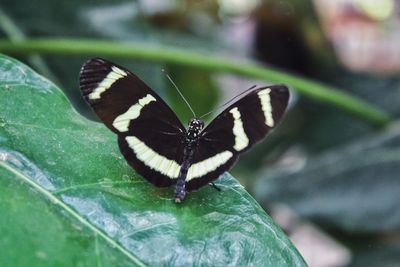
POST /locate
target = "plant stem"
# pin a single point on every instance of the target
(309, 88)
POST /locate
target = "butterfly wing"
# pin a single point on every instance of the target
(149, 133)
(234, 131)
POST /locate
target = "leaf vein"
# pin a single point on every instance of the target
(73, 213)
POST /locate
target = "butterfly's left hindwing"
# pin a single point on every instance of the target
(149, 133)
(234, 131)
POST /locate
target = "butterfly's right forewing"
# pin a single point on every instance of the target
(149, 133)
(234, 131)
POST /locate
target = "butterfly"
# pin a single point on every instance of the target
(156, 144)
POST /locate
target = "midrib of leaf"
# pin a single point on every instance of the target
(72, 212)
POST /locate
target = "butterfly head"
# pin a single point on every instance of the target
(195, 127)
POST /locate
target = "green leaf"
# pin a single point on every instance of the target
(352, 187)
(68, 198)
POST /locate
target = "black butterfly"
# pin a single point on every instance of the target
(156, 144)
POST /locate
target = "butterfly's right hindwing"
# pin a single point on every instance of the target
(149, 133)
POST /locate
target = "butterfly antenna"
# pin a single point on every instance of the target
(177, 89)
(230, 101)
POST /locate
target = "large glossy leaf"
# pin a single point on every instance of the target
(67, 197)
(355, 187)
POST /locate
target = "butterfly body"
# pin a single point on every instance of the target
(156, 144)
(190, 145)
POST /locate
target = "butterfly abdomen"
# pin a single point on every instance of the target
(191, 143)
(180, 189)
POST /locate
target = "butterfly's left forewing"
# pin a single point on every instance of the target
(234, 131)
(149, 133)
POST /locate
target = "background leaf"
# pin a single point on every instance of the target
(129, 22)
(69, 198)
(354, 187)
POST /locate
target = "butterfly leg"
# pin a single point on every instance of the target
(215, 187)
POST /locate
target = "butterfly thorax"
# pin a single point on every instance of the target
(195, 127)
